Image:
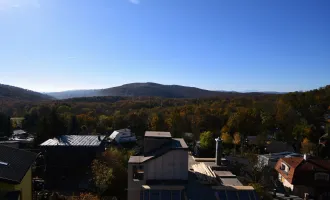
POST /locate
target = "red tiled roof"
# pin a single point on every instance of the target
(302, 171)
(293, 162)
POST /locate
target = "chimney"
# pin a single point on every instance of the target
(305, 156)
(274, 192)
(218, 151)
(306, 196)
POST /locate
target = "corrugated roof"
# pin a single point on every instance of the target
(75, 140)
(14, 163)
(157, 134)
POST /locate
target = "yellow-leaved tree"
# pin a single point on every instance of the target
(236, 140)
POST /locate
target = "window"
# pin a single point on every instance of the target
(284, 167)
(138, 172)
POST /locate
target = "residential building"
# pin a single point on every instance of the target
(123, 135)
(16, 173)
(22, 136)
(305, 175)
(271, 159)
(161, 171)
(68, 157)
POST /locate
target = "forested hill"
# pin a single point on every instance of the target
(10, 93)
(300, 115)
(147, 89)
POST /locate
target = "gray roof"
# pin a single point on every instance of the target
(18, 132)
(75, 140)
(230, 181)
(14, 163)
(158, 134)
(174, 144)
(224, 174)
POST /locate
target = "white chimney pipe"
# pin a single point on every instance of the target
(306, 196)
(305, 156)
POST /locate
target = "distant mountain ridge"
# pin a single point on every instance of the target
(145, 89)
(10, 93)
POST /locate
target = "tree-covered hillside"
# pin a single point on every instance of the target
(11, 93)
(148, 89)
(298, 115)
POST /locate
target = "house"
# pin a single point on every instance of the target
(271, 159)
(122, 136)
(16, 173)
(22, 136)
(305, 175)
(161, 171)
(68, 157)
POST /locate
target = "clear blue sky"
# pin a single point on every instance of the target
(272, 45)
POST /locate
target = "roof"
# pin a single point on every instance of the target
(157, 134)
(163, 187)
(123, 131)
(174, 144)
(224, 174)
(275, 156)
(302, 171)
(18, 132)
(75, 140)
(230, 181)
(236, 194)
(14, 163)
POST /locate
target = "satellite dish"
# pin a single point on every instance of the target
(114, 198)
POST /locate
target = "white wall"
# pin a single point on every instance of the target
(172, 165)
(285, 182)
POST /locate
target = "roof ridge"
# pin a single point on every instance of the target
(315, 163)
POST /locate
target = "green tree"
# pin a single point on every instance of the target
(56, 124)
(302, 130)
(206, 140)
(42, 133)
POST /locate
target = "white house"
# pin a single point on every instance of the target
(123, 135)
(164, 162)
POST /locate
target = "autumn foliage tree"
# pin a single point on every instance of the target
(110, 171)
(226, 138)
(236, 140)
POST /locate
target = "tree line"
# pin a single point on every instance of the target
(292, 116)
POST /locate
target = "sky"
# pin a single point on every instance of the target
(265, 45)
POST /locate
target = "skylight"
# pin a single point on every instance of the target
(3, 163)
